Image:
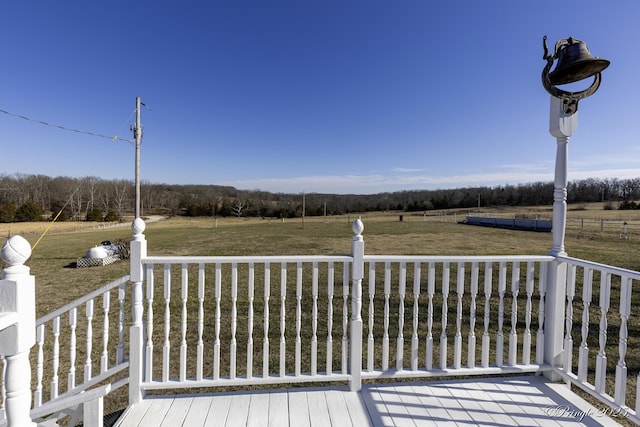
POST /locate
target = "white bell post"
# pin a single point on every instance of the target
(561, 126)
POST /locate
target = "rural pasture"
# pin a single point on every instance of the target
(592, 233)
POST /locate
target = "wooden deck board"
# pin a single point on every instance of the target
(199, 411)
(318, 409)
(512, 401)
(279, 410)
(258, 415)
(177, 412)
(299, 409)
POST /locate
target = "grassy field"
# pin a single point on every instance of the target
(592, 233)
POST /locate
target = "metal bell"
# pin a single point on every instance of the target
(575, 63)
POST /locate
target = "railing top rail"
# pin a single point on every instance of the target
(82, 300)
(635, 275)
(244, 259)
(457, 258)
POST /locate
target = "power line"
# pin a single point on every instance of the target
(112, 138)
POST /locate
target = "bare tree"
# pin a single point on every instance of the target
(121, 189)
(238, 206)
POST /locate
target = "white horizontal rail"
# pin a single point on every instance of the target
(458, 258)
(82, 300)
(635, 275)
(243, 259)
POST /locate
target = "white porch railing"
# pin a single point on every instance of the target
(66, 343)
(68, 363)
(600, 294)
(231, 321)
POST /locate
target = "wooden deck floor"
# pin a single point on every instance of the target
(511, 401)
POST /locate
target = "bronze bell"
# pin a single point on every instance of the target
(575, 63)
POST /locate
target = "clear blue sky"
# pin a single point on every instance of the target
(330, 96)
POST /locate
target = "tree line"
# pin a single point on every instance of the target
(32, 197)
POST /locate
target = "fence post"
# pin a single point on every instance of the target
(17, 330)
(357, 252)
(138, 252)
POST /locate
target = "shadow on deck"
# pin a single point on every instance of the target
(504, 401)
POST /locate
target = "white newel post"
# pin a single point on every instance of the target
(17, 330)
(561, 126)
(357, 252)
(138, 252)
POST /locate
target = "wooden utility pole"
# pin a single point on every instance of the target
(137, 134)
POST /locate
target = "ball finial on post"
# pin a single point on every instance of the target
(16, 250)
(357, 227)
(138, 226)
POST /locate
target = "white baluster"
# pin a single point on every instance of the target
(402, 285)
(568, 339)
(431, 289)
(457, 352)
(166, 346)
(638, 394)
(543, 294)
(330, 290)
(216, 344)
(283, 311)
(3, 390)
(38, 393)
(122, 292)
(621, 367)
(148, 374)
(601, 359)
(414, 335)
(265, 344)
(583, 354)
(104, 359)
(56, 357)
(234, 320)
(372, 294)
(88, 364)
(73, 323)
(486, 338)
(184, 293)
(513, 336)
(502, 288)
(345, 317)
(314, 320)
(298, 317)
(446, 273)
(250, 321)
(526, 337)
(385, 336)
(475, 273)
(200, 344)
